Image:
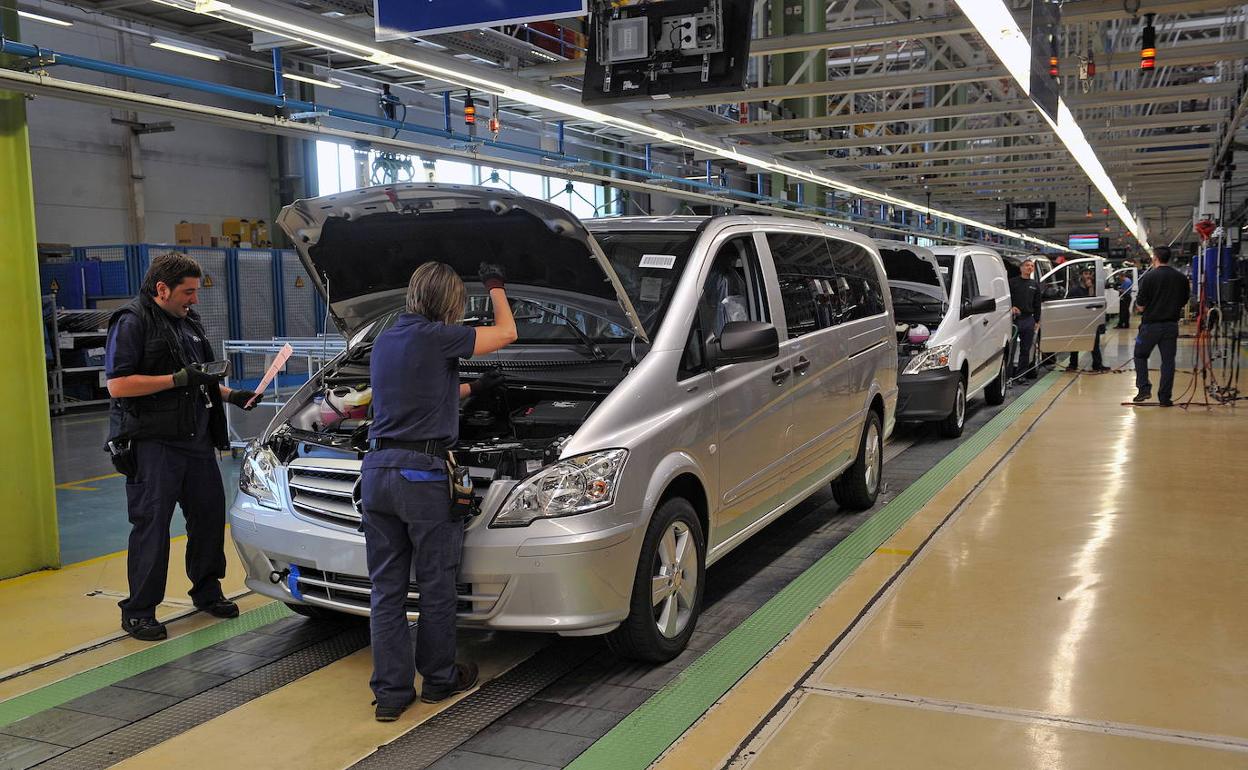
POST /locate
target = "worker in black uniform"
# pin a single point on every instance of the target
(1087, 288)
(166, 425)
(409, 528)
(1025, 301)
(1163, 294)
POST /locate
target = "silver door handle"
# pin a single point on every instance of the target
(801, 366)
(1092, 307)
(779, 375)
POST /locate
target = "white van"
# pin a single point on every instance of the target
(952, 307)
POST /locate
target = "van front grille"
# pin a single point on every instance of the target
(355, 591)
(324, 494)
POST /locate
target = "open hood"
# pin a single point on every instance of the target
(912, 267)
(361, 247)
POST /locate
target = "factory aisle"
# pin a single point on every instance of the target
(1079, 609)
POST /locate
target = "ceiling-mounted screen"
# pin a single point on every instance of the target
(1084, 242)
(403, 18)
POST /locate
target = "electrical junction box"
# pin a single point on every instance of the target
(1210, 200)
(629, 39)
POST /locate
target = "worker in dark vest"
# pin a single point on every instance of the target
(409, 528)
(1163, 294)
(167, 422)
(1025, 305)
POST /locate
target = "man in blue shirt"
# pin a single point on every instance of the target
(409, 530)
(166, 425)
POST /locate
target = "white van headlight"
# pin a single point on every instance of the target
(576, 485)
(258, 476)
(935, 357)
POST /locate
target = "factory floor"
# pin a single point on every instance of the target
(1058, 589)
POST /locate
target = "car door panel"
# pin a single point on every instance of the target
(1071, 318)
(754, 403)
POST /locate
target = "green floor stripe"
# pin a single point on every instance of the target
(52, 695)
(646, 733)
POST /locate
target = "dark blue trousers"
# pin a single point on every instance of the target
(167, 477)
(1026, 336)
(1163, 335)
(409, 533)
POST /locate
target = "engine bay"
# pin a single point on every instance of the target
(508, 433)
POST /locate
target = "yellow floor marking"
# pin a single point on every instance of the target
(57, 614)
(74, 484)
(85, 661)
(716, 736)
(896, 551)
(322, 721)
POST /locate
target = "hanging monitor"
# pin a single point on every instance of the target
(396, 19)
(672, 48)
(1085, 242)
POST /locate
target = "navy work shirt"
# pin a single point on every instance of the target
(414, 370)
(124, 352)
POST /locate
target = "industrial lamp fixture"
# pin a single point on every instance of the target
(1148, 44)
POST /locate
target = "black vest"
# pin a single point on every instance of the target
(169, 414)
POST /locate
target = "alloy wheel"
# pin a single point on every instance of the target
(674, 582)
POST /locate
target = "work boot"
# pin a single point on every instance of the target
(465, 679)
(145, 629)
(1166, 402)
(219, 608)
(390, 713)
(1142, 396)
(1100, 368)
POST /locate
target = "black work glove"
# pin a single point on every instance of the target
(491, 276)
(487, 382)
(195, 378)
(239, 397)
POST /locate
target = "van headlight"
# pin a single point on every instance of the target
(258, 476)
(935, 357)
(575, 485)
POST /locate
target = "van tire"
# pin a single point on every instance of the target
(854, 489)
(638, 637)
(995, 392)
(951, 426)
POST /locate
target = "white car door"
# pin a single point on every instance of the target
(1072, 311)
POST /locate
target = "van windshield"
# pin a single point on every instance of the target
(649, 264)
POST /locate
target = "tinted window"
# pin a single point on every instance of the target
(734, 291)
(808, 281)
(649, 264)
(859, 283)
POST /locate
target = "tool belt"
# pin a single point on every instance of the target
(463, 501)
(430, 447)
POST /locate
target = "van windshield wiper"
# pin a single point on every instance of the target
(585, 339)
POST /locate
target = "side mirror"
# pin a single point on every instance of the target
(1052, 292)
(742, 341)
(979, 306)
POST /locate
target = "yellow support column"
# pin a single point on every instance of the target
(28, 535)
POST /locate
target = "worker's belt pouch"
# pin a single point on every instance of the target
(463, 501)
(121, 453)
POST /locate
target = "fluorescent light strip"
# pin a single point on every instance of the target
(246, 18)
(187, 51)
(996, 25)
(310, 81)
(45, 19)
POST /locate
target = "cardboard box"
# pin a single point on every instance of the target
(192, 234)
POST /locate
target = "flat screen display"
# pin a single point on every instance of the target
(1084, 242)
(404, 18)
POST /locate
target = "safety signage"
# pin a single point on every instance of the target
(404, 18)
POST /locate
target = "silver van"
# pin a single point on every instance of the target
(678, 383)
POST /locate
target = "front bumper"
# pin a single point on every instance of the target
(535, 578)
(927, 395)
